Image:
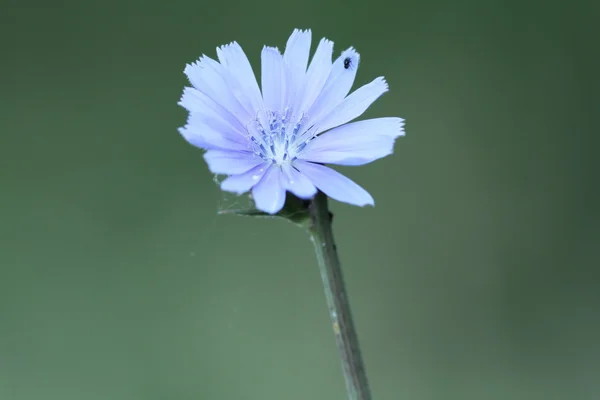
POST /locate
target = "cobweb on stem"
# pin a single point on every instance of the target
(231, 202)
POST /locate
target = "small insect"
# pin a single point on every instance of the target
(347, 62)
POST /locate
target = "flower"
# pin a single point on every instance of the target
(277, 140)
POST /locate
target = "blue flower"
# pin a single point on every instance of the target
(277, 140)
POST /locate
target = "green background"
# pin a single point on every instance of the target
(474, 277)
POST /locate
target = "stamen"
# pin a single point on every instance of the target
(301, 147)
(277, 141)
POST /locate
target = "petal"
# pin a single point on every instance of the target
(231, 162)
(269, 193)
(242, 183)
(195, 139)
(354, 105)
(206, 109)
(297, 51)
(317, 74)
(297, 183)
(272, 78)
(357, 143)
(233, 58)
(295, 58)
(334, 184)
(205, 138)
(209, 134)
(336, 87)
(210, 77)
(235, 90)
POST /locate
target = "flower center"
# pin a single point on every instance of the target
(277, 137)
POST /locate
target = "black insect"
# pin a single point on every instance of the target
(347, 62)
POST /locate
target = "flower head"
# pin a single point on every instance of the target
(277, 139)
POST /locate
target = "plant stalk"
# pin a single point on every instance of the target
(321, 235)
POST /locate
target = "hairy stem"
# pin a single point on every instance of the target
(346, 338)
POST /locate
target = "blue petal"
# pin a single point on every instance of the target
(317, 74)
(242, 183)
(269, 193)
(354, 105)
(199, 133)
(204, 109)
(297, 183)
(357, 143)
(272, 79)
(297, 51)
(295, 58)
(338, 85)
(195, 101)
(334, 184)
(208, 139)
(210, 77)
(233, 58)
(231, 162)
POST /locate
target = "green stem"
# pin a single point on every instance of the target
(346, 338)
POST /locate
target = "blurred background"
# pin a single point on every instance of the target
(474, 277)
